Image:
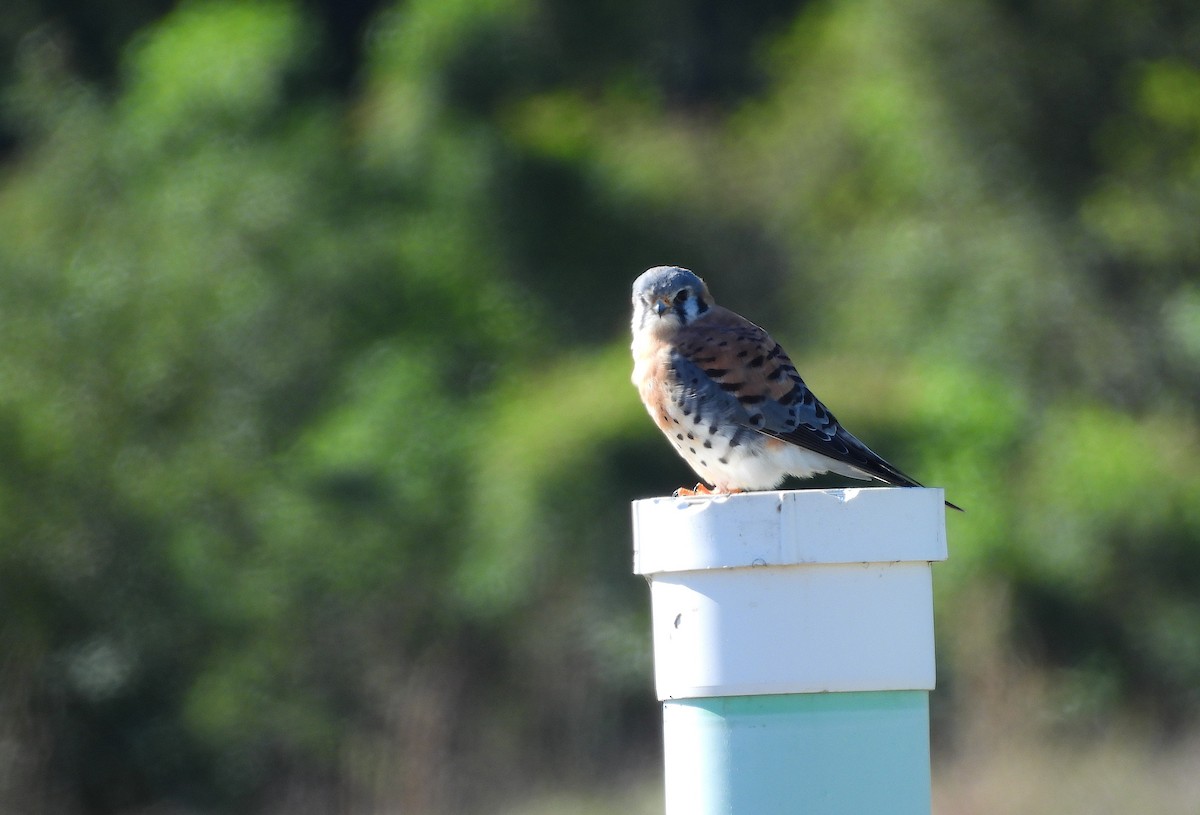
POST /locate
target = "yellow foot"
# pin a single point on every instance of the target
(703, 489)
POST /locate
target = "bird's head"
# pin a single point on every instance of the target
(666, 298)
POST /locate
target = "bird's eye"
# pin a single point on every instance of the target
(681, 297)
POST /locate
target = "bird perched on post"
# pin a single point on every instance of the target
(728, 397)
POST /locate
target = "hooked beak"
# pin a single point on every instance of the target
(661, 306)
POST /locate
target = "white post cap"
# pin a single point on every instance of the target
(863, 525)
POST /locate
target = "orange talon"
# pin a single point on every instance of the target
(703, 489)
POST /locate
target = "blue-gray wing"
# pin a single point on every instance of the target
(728, 371)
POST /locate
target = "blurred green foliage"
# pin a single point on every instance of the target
(316, 439)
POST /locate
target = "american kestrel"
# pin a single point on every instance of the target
(728, 397)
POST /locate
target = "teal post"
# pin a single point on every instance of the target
(793, 637)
